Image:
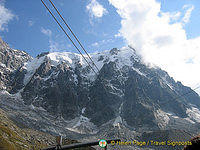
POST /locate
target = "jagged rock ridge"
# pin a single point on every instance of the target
(125, 93)
(10, 60)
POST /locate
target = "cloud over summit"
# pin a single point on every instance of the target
(160, 37)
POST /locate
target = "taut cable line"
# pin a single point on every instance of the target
(101, 79)
(73, 34)
(86, 51)
(67, 35)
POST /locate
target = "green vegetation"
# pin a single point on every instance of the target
(14, 138)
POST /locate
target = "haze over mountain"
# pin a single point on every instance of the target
(59, 93)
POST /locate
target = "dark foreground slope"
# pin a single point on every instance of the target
(12, 137)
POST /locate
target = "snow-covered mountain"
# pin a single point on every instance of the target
(59, 92)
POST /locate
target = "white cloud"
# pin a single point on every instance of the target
(174, 16)
(95, 9)
(47, 32)
(159, 40)
(5, 16)
(56, 43)
(96, 44)
(188, 13)
(102, 42)
(59, 46)
(53, 46)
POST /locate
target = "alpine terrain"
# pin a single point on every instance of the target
(58, 93)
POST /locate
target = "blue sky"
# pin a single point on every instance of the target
(24, 30)
(192, 28)
(164, 32)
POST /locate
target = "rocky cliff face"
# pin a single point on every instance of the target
(125, 89)
(10, 60)
(125, 92)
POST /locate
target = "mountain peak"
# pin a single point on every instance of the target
(62, 84)
(3, 44)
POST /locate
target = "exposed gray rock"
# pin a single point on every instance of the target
(10, 61)
(125, 95)
(132, 91)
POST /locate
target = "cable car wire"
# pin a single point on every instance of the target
(67, 35)
(73, 34)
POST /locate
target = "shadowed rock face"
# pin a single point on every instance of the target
(142, 97)
(138, 93)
